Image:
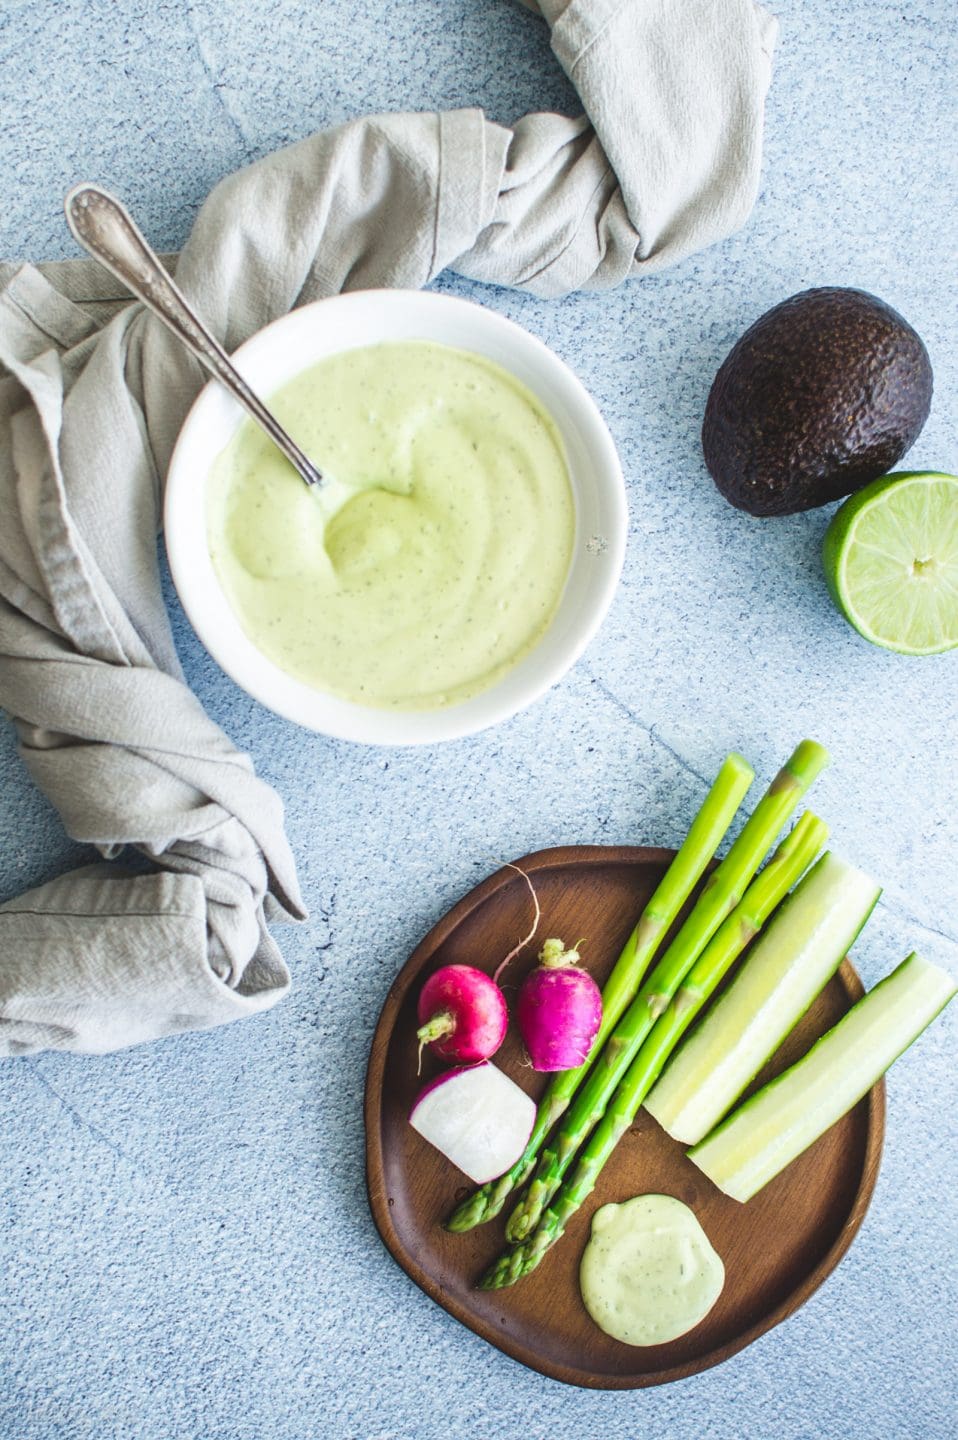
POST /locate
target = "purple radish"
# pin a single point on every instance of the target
(462, 1015)
(477, 1117)
(559, 1010)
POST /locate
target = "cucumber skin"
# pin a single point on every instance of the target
(705, 1148)
(767, 1054)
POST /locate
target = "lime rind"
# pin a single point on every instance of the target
(891, 562)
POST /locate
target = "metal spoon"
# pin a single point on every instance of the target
(103, 227)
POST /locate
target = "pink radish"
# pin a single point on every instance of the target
(477, 1117)
(559, 1010)
(462, 1014)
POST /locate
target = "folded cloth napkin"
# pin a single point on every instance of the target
(93, 392)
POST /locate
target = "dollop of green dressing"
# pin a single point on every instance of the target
(649, 1272)
(434, 561)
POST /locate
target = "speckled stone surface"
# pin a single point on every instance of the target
(185, 1248)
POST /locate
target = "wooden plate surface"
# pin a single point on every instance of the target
(777, 1249)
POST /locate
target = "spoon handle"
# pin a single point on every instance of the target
(104, 227)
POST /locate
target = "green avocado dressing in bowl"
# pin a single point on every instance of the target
(459, 560)
(439, 558)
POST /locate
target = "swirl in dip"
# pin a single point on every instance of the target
(435, 559)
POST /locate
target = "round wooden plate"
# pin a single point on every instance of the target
(777, 1249)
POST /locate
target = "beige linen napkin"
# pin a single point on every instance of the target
(93, 392)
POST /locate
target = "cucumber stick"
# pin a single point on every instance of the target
(786, 968)
(789, 1113)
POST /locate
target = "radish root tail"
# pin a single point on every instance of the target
(535, 923)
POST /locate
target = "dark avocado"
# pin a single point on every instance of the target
(822, 395)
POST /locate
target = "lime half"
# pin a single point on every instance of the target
(891, 562)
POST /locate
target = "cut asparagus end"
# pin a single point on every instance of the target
(788, 1114)
(787, 967)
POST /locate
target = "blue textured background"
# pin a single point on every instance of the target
(185, 1249)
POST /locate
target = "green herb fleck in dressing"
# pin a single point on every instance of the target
(436, 559)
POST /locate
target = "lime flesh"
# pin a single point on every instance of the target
(891, 562)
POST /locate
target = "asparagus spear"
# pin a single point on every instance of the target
(703, 839)
(720, 895)
(791, 859)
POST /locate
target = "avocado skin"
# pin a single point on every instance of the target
(824, 393)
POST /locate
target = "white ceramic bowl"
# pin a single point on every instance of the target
(309, 335)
